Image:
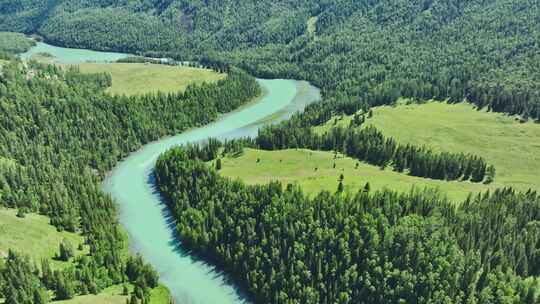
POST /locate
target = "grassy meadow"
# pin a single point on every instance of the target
(314, 171)
(114, 295)
(142, 78)
(33, 236)
(513, 147)
(139, 78)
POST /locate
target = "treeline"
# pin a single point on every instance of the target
(60, 133)
(6, 56)
(366, 144)
(370, 145)
(282, 246)
(219, 67)
(81, 27)
(23, 282)
(376, 52)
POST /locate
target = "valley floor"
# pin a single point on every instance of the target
(513, 147)
(139, 78)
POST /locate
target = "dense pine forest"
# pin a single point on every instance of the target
(365, 51)
(60, 133)
(368, 247)
(12, 43)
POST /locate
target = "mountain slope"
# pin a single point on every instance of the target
(368, 51)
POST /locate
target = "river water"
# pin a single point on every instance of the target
(71, 56)
(146, 218)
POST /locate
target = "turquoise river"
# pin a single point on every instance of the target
(150, 228)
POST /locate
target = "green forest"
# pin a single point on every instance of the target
(12, 43)
(61, 132)
(365, 247)
(363, 51)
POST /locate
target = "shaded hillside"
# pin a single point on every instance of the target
(485, 53)
(367, 50)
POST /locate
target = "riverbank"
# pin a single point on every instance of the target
(151, 231)
(278, 103)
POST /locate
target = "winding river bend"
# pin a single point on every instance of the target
(146, 218)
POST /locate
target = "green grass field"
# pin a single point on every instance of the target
(513, 147)
(314, 171)
(139, 78)
(33, 236)
(113, 295)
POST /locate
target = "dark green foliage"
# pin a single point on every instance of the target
(369, 144)
(63, 136)
(66, 251)
(19, 282)
(14, 43)
(490, 174)
(340, 187)
(141, 273)
(367, 187)
(21, 212)
(47, 275)
(59, 135)
(503, 228)
(64, 285)
(6, 56)
(80, 28)
(373, 247)
(362, 51)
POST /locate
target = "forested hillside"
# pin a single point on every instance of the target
(13, 43)
(365, 51)
(368, 247)
(60, 133)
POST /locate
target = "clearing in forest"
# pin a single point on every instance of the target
(114, 295)
(513, 147)
(140, 78)
(33, 236)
